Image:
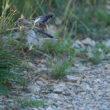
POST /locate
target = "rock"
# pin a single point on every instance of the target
(34, 109)
(60, 103)
(27, 95)
(70, 69)
(41, 83)
(49, 108)
(43, 69)
(102, 56)
(34, 88)
(90, 55)
(107, 43)
(59, 88)
(86, 87)
(1, 99)
(10, 100)
(79, 45)
(103, 107)
(107, 67)
(72, 78)
(89, 41)
(97, 81)
(108, 55)
(58, 21)
(41, 108)
(78, 68)
(52, 96)
(100, 50)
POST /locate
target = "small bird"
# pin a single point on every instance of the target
(27, 25)
(34, 30)
(41, 21)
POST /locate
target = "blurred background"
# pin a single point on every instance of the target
(76, 18)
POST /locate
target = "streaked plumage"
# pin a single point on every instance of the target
(33, 29)
(41, 21)
(24, 22)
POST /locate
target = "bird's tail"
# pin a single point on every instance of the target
(46, 18)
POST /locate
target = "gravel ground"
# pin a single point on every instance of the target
(87, 90)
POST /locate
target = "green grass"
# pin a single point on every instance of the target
(27, 102)
(10, 58)
(4, 90)
(63, 46)
(60, 65)
(10, 67)
(62, 56)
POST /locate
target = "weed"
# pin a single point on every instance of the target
(59, 66)
(63, 47)
(9, 58)
(29, 102)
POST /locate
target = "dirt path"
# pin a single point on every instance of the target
(88, 90)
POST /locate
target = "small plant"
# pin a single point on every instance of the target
(9, 58)
(27, 102)
(60, 66)
(96, 57)
(63, 47)
(102, 46)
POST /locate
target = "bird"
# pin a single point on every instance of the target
(32, 30)
(41, 21)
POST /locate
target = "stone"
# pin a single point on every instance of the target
(58, 21)
(107, 43)
(107, 67)
(90, 55)
(79, 45)
(34, 109)
(59, 88)
(89, 41)
(72, 78)
(52, 96)
(33, 88)
(49, 108)
(86, 87)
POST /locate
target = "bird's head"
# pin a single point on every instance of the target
(20, 21)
